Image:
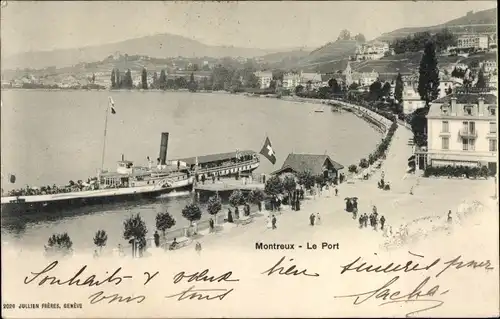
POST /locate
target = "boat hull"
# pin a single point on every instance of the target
(25, 204)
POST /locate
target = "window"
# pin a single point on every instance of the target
(445, 127)
(493, 127)
(493, 145)
(468, 110)
(468, 144)
(445, 143)
(492, 111)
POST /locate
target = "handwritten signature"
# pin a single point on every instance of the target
(385, 294)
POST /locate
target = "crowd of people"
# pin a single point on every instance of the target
(54, 189)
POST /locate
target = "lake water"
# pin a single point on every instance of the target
(52, 137)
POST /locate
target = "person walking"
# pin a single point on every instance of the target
(317, 219)
(198, 247)
(336, 191)
(361, 221)
(157, 239)
(382, 222)
(273, 221)
(311, 219)
(211, 224)
(365, 217)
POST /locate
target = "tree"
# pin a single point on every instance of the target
(449, 90)
(344, 35)
(127, 81)
(398, 90)
(360, 38)
(180, 83)
(93, 78)
(251, 81)
(214, 205)
(113, 79)
(376, 90)
(334, 85)
(289, 185)
(354, 86)
(256, 196)
(299, 89)
(481, 81)
(274, 186)
(144, 79)
(193, 85)
(154, 85)
(59, 243)
(134, 228)
(386, 89)
(278, 75)
(118, 79)
(100, 239)
(306, 179)
(164, 221)
(191, 212)
(418, 124)
(428, 81)
(236, 198)
(162, 81)
(309, 86)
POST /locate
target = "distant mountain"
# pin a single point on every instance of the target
(481, 21)
(162, 45)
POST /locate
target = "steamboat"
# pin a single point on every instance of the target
(127, 183)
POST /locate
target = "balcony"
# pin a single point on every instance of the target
(466, 133)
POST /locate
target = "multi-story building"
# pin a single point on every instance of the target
(462, 130)
(488, 66)
(291, 81)
(364, 78)
(411, 100)
(371, 51)
(476, 41)
(265, 78)
(312, 80)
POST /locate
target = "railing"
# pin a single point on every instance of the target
(468, 133)
(228, 167)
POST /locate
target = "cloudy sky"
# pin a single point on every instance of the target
(34, 26)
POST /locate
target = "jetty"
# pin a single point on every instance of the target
(228, 184)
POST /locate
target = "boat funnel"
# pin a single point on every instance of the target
(163, 148)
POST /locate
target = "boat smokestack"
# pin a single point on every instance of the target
(123, 157)
(163, 148)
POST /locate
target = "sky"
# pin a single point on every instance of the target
(42, 26)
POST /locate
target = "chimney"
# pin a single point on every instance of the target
(163, 148)
(453, 105)
(480, 103)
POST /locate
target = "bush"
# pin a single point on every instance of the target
(352, 168)
(59, 243)
(236, 198)
(135, 227)
(164, 221)
(274, 186)
(191, 212)
(100, 238)
(363, 163)
(305, 179)
(457, 171)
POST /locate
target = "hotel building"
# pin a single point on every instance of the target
(462, 130)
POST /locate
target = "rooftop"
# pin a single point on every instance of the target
(214, 157)
(470, 98)
(308, 162)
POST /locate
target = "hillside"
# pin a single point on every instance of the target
(481, 21)
(332, 51)
(162, 45)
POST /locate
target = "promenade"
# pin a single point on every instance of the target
(426, 208)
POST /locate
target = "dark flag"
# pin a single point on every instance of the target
(268, 152)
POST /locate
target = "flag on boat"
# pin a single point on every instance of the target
(112, 105)
(268, 152)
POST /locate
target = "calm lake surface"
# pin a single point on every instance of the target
(52, 137)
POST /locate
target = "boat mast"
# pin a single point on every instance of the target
(104, 142)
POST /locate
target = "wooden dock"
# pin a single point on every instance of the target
(228, 184)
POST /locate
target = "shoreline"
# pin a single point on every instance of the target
(378, 120)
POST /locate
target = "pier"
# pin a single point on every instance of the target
(228, 184)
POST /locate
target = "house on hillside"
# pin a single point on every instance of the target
(473, 41)
(371, 51)
(265, 78)
(314, 79)
(291, 81)
(488, 66)
(364, 78)
(411, 100)
(317, 165)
